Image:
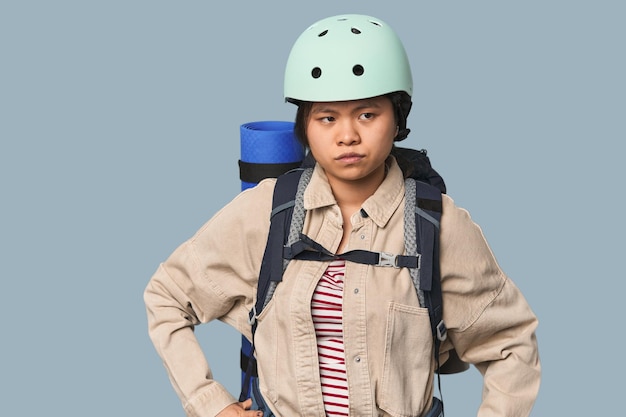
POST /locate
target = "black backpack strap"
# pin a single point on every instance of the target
(306, 249)
(280, 219)
(271, 272)
(428, 210)
(254, 172)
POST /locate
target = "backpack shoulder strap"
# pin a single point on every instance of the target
(422, 216)
(428, 208)
(284, 226)
(282, 209)
(287, 198)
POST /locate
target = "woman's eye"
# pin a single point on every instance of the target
(367, 116)
(327, 119)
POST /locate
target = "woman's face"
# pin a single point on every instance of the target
(352, 139)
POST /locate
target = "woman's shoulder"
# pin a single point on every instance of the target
(451, 212)
(250, 209)
(460, 231)
(258, 197)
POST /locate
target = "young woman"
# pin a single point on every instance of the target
(341, 338)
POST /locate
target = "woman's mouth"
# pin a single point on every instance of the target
(349, 158)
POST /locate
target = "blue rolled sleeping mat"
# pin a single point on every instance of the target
(268, 149)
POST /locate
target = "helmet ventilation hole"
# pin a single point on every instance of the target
(375, 23)
(358, 70)
(316, 72)
(323, 33)
(355, 31)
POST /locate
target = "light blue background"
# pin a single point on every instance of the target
(119, 129)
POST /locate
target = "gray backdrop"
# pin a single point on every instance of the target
(119, 137)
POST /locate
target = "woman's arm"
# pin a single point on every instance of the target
(211, 276)
(490, 323)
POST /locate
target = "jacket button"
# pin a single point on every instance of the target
(356, 290)
(357, 359)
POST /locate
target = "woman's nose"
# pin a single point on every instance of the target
(348, 134)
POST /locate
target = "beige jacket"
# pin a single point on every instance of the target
(386, 333)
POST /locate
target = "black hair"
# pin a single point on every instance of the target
(302, 117)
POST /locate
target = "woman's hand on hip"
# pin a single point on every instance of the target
(240, 410)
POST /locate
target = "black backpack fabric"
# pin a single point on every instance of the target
(427, 189)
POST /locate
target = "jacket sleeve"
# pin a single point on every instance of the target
(489, 321)
(211, 276)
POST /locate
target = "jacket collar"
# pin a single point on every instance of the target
(379, 207)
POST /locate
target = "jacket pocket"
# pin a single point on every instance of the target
(407, 361)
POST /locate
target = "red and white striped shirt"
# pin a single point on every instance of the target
(326, 309)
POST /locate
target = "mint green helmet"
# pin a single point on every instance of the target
(346, 57)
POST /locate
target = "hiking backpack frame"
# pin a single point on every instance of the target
(423, 209)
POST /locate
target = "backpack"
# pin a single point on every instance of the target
(424, 187)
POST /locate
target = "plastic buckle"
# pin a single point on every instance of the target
(252, 318)
(442, 331)
(387, 259)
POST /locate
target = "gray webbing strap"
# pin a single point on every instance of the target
(297, 218)
(410, 234)
(427, 216)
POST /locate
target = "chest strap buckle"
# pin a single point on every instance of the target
(387, 259)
